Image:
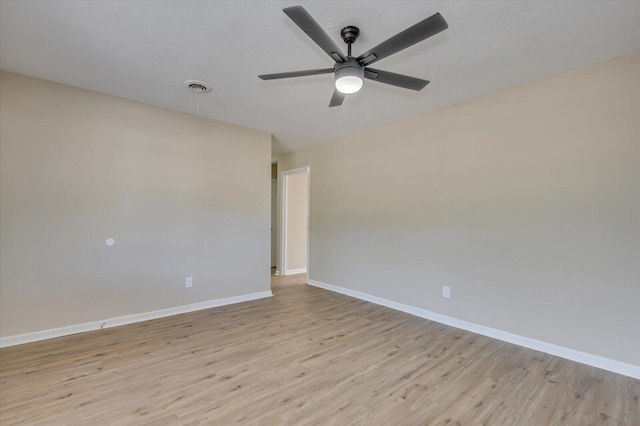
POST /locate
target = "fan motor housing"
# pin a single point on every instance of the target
(351, 67)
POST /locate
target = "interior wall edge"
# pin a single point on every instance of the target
(296, 271)
(127, 319)
(597, 361)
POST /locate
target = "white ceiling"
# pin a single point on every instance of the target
(145, 50)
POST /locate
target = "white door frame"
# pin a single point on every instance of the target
(282, 261)
(274, 225)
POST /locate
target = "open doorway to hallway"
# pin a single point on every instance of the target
(294, 235)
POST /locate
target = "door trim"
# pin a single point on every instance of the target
(282, 261)
(274, 225)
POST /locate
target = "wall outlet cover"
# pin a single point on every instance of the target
(446, 292)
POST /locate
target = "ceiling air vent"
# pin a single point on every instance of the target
(197, 86)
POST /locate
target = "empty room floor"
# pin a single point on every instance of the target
(304, 356)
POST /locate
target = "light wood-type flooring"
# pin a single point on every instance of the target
(304, 357)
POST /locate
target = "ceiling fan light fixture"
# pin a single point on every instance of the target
(349, 79)
(349, 71)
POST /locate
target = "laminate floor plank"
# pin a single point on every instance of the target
(307, 356)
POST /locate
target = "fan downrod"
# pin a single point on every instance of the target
(349, 34)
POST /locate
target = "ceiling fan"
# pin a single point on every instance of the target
(349, 71)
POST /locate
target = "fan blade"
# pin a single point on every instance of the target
(337, 98)
(394, 79)
(301, 17)
(412, 35)
(295, 74)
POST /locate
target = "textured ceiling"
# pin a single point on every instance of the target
(145, 50)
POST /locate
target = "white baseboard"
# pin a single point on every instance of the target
(127, 319)
(549, 348)
(277, 273)
(295, 271)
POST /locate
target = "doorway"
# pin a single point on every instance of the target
(274, 223)
(294, 239)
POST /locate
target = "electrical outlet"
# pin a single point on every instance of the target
(188, 282)
(446, 292)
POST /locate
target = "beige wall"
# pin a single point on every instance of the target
(297, 218)
(181, 195)
(526, 202)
